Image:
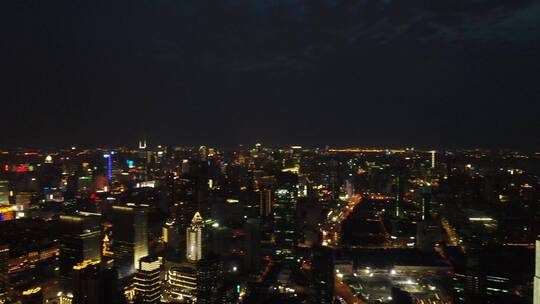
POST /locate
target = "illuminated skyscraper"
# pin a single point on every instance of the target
(265, 202)
(147, 281)
(181, 284)
(108, 157)
(194, 239)
(129, 237)
(433, 159)
(4, 267)
(170, 233)
(284, 213)
(81, 241)
(32, 296)
(86, 283)
(536, 296)
(4, 192)
(48, 159)
(94, 285)
(185, 167)
(203, 154)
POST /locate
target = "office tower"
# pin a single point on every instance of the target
(4, 268)
(86, 283)
(536, 297)
(181, 286)
(203, 154)
(265, 202)
(185, 167)
(308, 213)
(108, 157)
(48, 159)
(349, 188)
(209, 280)
(170, 233)
(428, 233)
(85, 185)
(399, 194)
(8, 213)
(252, 245)
(62, 299)
(285, 215)
(94, 285)
(81, 240)
(4, 192)
(183, 213)
(113, 293)
(323, 274)
(433, 164)
(147, 281)
(32, 296)
(194, 239)
(129, 237)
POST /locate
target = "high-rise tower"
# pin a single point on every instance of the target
(323, 274)
(147, 280)
(209, 280)
(86, 283)
(4, 192)
(80, 241)
(284, 214)
(536, 296)
(129, 237)
(194, 238)
(4, 267)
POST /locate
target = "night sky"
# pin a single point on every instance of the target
(444, 73)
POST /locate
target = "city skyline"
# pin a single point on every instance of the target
(269, 152)
(268, 225)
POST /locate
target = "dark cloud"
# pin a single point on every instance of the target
(314, 72)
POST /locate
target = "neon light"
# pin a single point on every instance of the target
(109, 165)
(21, 169)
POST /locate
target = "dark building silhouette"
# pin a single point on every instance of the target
(401, 297)
(209, 280)
(4, 267)
(323, 272)
(94, 285)
(284, 214)
(86, 283)
(80, 241)
(129, 237)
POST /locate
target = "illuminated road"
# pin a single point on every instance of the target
(343, 291)
(331, 228)
(453, 238)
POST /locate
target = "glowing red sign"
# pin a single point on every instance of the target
(21, 168)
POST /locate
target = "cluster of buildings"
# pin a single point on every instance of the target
(162, 224)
